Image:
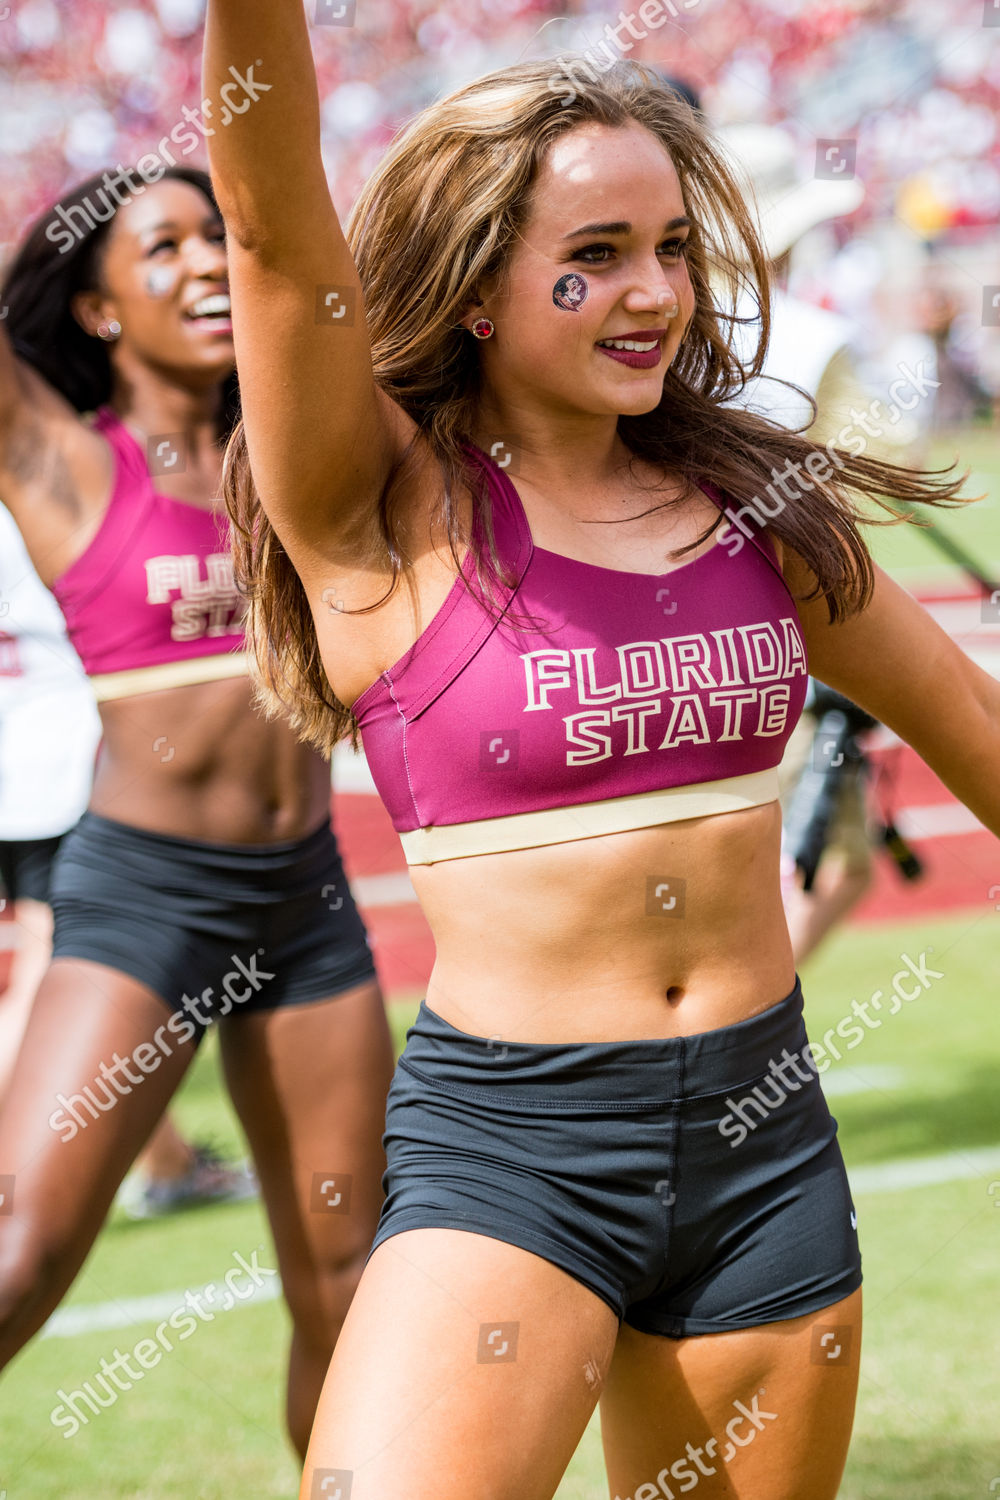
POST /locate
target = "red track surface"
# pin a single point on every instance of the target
(400, 937)
(959, 869)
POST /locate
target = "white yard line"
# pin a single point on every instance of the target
(859, 1079)
(926, 1171)
(125, 1312)
(883, 1177)
(937, 820)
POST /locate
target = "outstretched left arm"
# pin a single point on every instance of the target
(896, 662)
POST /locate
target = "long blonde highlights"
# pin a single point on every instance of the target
(439, 217)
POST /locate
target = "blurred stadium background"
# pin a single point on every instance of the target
(911, 92)
(914, 85)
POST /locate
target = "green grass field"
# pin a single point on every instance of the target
(908, 553)
(206, 1421)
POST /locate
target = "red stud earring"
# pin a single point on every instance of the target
(483, 328)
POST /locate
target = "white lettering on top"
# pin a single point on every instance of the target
(722, 686)
(545, 671)
(208, 606)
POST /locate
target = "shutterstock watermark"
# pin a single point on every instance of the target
(836, 158)
(740, 1432)
(793, 1070)
(795, 479)
(70, 225)
(243, 980)
(594, 61)
(103, 1390)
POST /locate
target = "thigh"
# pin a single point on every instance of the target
(309, 1083)
(97, 1065)
(466, 1366)
(96, 1068)
(765, 1413)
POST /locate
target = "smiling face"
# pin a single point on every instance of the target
(607, 206)
(165, 280)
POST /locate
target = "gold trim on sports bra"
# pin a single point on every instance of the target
(587, 820)
(169, 674)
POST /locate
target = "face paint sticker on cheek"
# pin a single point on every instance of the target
(160, 281)
(570, 292)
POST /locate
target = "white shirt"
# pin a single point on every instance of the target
(804, 339)
(49, 724)
(813, 348)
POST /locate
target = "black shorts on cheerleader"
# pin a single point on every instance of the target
(693, 1183)
(25, 867)
(214, 930)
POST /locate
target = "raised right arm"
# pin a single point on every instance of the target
(321, 436)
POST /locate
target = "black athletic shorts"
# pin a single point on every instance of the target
(25, 867)
(694, 1183)
(213, 929)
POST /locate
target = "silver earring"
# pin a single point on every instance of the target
(109, 331)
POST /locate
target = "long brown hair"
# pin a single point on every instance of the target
(439, 216)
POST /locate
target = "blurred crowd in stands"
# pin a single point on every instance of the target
(907, 90)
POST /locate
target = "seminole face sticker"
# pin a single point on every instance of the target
(160, 281)
(570, 292)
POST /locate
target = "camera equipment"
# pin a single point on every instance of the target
(909, 865)
(835, 754)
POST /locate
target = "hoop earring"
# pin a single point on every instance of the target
(109, 331)
(483, 328)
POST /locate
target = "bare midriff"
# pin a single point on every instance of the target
(664, 931)
(199, 762)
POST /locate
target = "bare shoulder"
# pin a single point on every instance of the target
(340, 580)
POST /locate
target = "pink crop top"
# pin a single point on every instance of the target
(152, 602)
(642, 698)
